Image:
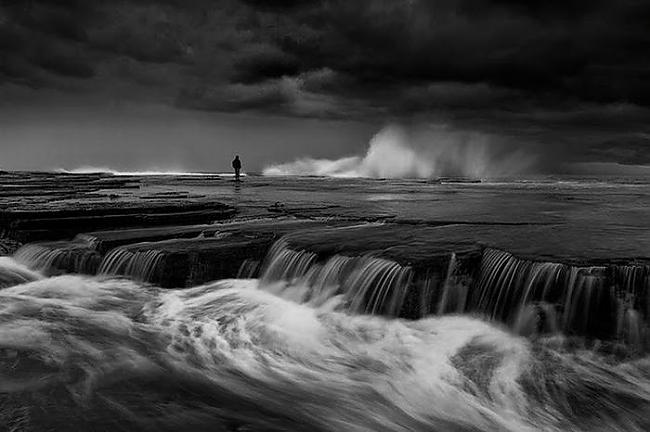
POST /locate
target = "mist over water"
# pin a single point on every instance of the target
(395, 152)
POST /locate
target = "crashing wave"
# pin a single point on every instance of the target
(395, 153)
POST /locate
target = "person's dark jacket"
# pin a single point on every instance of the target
(236, 164)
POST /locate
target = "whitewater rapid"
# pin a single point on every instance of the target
(101, 353)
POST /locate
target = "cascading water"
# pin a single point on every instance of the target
(534, 297)
(586, 301)
(632, 290)
(250, 354)
(531, 297)
(90, 354)
(606, 302)
(506, 284)
(140, 265)
(363, 284)
(455, 289)
(248, 269)
(77, 256)
(283, 263)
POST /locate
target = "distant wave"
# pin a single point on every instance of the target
(105, 170)
(394, 153)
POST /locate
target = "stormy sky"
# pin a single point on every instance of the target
(185, 84)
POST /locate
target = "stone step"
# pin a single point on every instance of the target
(27, 226)
(219, 253)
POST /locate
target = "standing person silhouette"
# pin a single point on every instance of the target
(236, 164)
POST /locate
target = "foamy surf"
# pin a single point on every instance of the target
(87, 353)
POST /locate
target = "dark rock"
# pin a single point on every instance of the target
(26, 225)
(220, 251)
(8, 246)
(104, 241)
(54, 258)
(418, 248)
(107, 240)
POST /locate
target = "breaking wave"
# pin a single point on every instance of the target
(395, 153)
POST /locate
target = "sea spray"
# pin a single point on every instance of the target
(395, 152)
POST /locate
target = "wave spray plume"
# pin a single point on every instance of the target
(395, 152)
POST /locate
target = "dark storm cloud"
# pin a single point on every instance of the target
(575, 51)
(263, 65)
(630, 150)
(534, 66)
(40, 38)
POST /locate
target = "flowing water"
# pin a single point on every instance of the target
(305, 342)
(103, 354)
(14, 273)
(51, 258)
(306, 347)
(139, 265)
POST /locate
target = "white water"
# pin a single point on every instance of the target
(15, 273)
(359, 284)
(89, 353)
(397, 153)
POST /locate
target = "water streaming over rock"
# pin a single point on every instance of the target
(78, 256)
(506, 283)
(248, 269)
(607, 302)
(363, 284)
(140, 265)
(604, 302)
(80, 353)
(455, 289)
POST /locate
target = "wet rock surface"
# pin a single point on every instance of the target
(409, 249)
(29, 226)
(219, 252)
(8, 246)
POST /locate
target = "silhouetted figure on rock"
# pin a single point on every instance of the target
(236, 164)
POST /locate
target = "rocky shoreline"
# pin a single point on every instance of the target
(399, 266)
